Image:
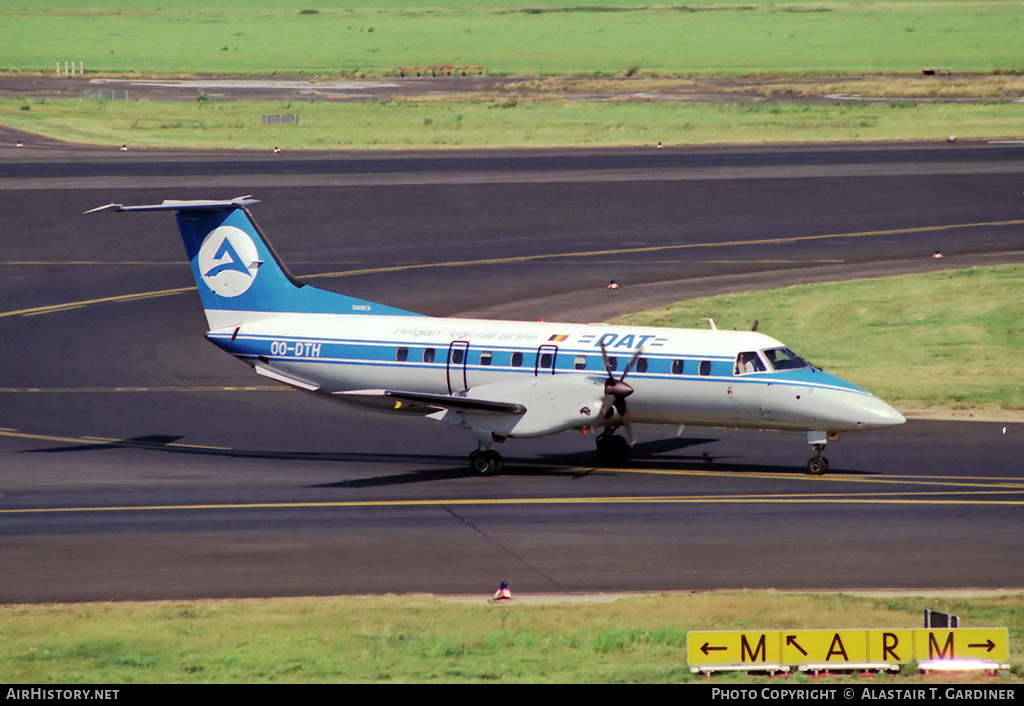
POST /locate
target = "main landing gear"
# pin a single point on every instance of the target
(612, 449)
(486, 462)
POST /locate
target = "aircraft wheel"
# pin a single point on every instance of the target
(486, 463)
(817, 466)
(612, 450)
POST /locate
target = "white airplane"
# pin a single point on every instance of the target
(500, 379)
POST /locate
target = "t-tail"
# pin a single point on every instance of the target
(238, 274)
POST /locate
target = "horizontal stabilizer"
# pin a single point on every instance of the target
(286, 379)
(167, 205)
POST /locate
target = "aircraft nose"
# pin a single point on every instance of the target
(876, 414)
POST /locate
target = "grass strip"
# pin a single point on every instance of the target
(424, 639)
(500, 121)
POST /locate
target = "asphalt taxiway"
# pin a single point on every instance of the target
(141, 462)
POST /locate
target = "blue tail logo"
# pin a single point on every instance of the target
(226, 251)
(228, 260)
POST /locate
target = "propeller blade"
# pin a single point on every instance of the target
(609, 367)
(631, 363)
(616, 391)
(615, 394)
(627, 433)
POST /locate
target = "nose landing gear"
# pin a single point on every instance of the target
(818, 465)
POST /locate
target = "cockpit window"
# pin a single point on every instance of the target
(749, 362)
(784, 359)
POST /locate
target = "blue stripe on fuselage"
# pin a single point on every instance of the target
(362, 352)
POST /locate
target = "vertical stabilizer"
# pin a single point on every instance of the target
(238, 275)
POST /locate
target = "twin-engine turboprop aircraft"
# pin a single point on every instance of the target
(500, 379)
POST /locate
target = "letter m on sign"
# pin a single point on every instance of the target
(760, 648)
(933, 647)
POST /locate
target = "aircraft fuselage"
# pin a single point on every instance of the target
(682, 376)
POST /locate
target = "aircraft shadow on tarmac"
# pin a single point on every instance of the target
(169, 444)
(647, 455)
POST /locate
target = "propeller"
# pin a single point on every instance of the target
(616, 391)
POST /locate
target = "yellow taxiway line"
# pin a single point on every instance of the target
(52, 308)
(866, 499)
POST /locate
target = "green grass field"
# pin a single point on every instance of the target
(421, 639)
(515, 37)
(521, 38)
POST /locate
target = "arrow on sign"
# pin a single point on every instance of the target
(791, 642)
(988, 645)
(706, 647)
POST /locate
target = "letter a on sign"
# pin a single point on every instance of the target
(833, 650)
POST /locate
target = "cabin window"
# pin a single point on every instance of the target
(705, 367)
(611, 363)
(485, 357)
(748, 362)
(517, 360)
(580, 362)
(545, 360)
(784, 359)
(402, 355)
(457, 356)
(641, 365)
(428, 355)
(677, 367)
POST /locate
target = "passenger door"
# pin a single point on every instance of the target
(458, 355)
(546, 356)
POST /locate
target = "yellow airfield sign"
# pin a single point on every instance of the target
(845, 647)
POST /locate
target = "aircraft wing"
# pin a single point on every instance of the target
(534, 407)
(424, 402)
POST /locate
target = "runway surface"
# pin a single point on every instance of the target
(138, 461)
